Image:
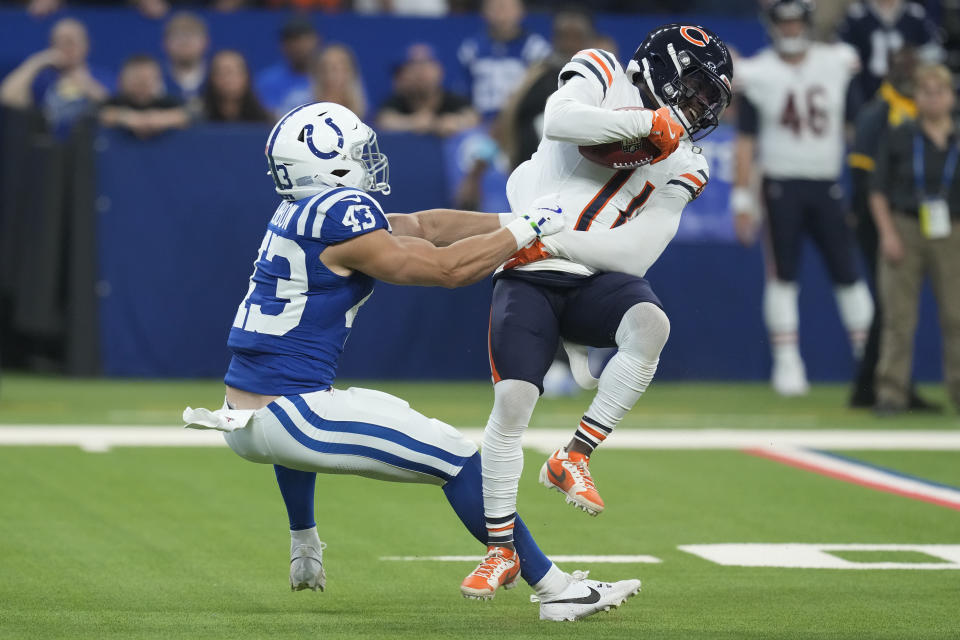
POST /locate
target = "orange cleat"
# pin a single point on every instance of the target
(568, 472)
(499, 568)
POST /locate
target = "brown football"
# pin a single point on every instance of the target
(624, 154)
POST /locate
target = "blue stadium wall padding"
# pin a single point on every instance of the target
(181, 218)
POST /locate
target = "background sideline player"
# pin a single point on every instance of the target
(793, 102)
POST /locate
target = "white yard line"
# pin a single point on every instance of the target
(103, 438)
(474, 558)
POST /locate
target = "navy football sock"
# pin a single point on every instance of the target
(465, 494)
(297, 489)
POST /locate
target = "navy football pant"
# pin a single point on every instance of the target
(528, 319)
(797, 208)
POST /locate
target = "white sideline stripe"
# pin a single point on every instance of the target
(475, 558)
(102, 438)
(866, 474)
(818, 556)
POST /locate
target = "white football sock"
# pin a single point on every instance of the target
(856, 312)
(552, 584)
(307, 537)
(502, 454)
(782, 316)
(642, 333)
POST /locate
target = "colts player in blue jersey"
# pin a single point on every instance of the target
(325, 246)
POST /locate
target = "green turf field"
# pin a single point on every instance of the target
(192, 543)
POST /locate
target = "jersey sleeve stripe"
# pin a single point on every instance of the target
(703, 173)
(694, 179)
(609, 58)
(304, 213)
(693, 192)
(583, 62)
(603, 66)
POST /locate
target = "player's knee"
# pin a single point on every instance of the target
(643, 331)
(513, 404)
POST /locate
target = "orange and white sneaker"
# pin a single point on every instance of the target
(569, 473)
(499, 568)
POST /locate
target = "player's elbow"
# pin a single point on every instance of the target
(553, 118)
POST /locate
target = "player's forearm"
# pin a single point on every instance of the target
(569, 117)
(743, 152)
(630, 248)
(443, 227)
(472, 259)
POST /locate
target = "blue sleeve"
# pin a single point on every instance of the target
(354, 214)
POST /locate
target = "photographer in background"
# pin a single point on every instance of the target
(915, 201)
(892, 106)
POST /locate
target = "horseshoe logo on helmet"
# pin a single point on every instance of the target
(695, 35)
(308, 134)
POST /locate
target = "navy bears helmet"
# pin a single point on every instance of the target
(687, 68)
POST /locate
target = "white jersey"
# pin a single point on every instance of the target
(593, 196)
(800, 109)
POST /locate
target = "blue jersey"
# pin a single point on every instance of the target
(875, 39)
(291, 327)
(494, 69)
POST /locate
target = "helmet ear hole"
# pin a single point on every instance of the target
(339, 172)
(302, 136)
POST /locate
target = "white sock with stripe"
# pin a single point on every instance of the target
(856, 312)
(501, 456)
(782, 317)
(641, 335)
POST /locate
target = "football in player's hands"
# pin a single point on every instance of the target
(637, 152)
(624, 154)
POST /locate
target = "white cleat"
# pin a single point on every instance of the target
(790, 376)
(586, 597)
(306, 567)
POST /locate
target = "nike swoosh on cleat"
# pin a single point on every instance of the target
(592, 598)
(559, 478)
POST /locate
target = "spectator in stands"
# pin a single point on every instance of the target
(495, 61)
(286, 84)
(520, 125)
(892, 106)
(336, 78)
(58, 80)
(915, 201)
(228, 95)
(877, 28)
(141, 106)
(420, 103)
(185, 41)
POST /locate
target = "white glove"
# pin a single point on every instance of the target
(544, 218)
(546, 214)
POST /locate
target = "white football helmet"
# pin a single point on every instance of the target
(322, 145)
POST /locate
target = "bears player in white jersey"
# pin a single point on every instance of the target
(585, 284)
(793, 102)
(325, 246)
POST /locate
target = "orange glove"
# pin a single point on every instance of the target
(534, 252)
(665, 133)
